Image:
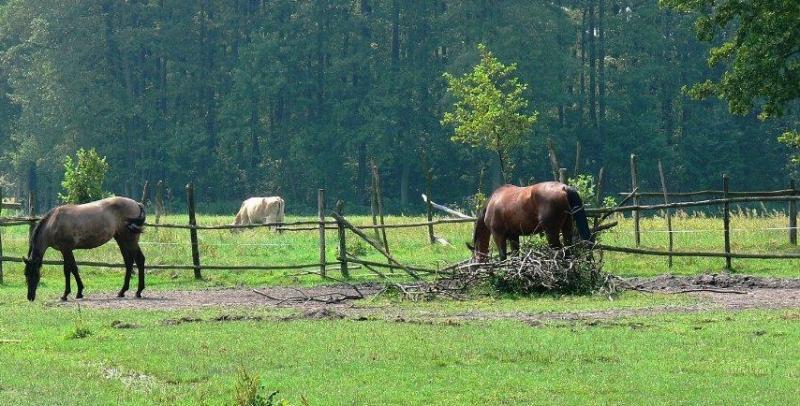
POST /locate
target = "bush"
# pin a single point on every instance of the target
(83, 178)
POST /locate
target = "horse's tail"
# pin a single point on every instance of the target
(136, 224)
(480, 228)
(578, 213)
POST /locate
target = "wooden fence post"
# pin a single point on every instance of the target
(159, 200)
(321, 212)
(144, 192)
(379, 200)
(1, 237)
(562, 175)
(634, 189)
(193, 231)
(668, 214)
(31, 214)
(429, 177)
(551, 151)
(793, 216)
(342, 241)
(577, 159)
(726, 219)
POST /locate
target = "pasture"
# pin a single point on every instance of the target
(498, 349)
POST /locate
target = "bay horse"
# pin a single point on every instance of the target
(70, 227)
(512, 211)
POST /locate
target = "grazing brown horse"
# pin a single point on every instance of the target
(86, 226)
(512, 211)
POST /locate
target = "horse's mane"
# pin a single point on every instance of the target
(37, 230)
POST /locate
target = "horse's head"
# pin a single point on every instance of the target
(33, 269)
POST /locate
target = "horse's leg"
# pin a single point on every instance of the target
(514, 241)
(552, 237)
(139, 259)
(566, 231)
(500, 241)
(127, 256)
(74, 270)
(67, 255)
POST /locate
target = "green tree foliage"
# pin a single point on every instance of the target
(761, 45)
(489, 110)
(251, 97)
(83, 177)
(760, 52)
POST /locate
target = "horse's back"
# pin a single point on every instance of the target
(524, 210)
(90, 225)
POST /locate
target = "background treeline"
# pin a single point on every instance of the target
(255, 97)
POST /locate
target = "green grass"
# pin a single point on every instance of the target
(710, 358)
(58, 354)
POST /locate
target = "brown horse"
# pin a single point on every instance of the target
(86, 226)
(547, 207)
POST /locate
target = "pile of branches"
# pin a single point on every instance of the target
(536, 269)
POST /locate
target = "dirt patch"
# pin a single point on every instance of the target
(754, 293)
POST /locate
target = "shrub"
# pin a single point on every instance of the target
(83, 177)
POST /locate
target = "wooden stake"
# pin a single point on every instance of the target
(193, 231)
(1, 238)
(321, 212)
(669, 214)
(429, 178)
(726, 219)
(379, 196)
(342, 242)
(31, 214)
(577, 159)
(144, 192)
(635, 186)
(159, 200)
(551, 149)
(792, 216)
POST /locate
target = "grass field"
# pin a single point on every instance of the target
(711, 357)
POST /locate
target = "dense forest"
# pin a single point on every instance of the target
(256, 97)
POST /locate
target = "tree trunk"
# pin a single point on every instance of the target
(592, 66)
(405, 176)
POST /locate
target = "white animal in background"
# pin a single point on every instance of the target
(260, 210)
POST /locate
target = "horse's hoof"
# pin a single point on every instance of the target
(138, 295)
(80, 296)
(121, 294)
(63, 298)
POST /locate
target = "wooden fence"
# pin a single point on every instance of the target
(725, 199)
(327, 221)
(335, 220)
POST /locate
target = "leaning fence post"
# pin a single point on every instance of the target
(193, 231)
(321, 211)
(634, 189)
(562, 175)
(726, 219)
(342, 241)
(668, 215)
(1, 237)
(793, 215)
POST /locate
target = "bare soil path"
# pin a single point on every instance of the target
(750, 293)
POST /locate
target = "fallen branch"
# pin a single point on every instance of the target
(446, 209)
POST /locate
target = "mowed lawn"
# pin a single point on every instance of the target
(713, 357)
